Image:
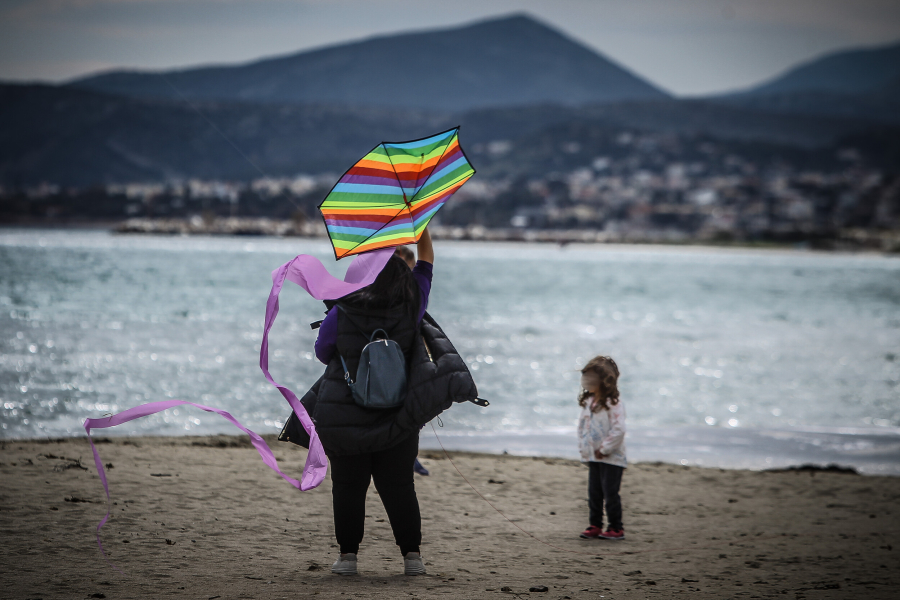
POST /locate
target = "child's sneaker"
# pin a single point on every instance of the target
(592, 533)
(613, 534)
(345, 565)
(413, 564)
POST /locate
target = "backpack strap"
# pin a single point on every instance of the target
(351, 321)
(343, 362)
(362, 331)
(372, 337)
(346, 370)
(358, 328)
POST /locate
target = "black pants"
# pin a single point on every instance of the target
(392, 471)
(603, 486)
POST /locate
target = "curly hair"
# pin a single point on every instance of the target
(608, 372)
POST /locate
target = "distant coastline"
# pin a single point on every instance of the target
(846, 240)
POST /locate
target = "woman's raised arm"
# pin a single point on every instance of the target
(424, 248)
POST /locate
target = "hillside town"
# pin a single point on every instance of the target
(643, 191)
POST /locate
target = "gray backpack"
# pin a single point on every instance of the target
(381, 374)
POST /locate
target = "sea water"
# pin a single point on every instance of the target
(728, 357)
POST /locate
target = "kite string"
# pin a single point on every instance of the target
(582, 553)
(513, 523)
(221, 133)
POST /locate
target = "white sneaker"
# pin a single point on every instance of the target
(345, 565)
(413, 564)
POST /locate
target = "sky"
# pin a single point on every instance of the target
(688, 47)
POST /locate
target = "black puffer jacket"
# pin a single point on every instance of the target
(437, 377)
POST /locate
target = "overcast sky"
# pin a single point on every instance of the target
(688, 47)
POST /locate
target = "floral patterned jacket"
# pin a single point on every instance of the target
(603, 430)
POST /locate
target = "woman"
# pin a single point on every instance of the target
(361, 443)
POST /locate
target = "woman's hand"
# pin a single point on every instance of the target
(424, 248)
(599, 455)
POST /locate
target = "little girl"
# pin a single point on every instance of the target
(601, 440)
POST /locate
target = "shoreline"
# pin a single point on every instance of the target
(866, 451)
(850, 241)
(203, 517)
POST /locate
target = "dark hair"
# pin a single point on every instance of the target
(608, 371)
(393, 287)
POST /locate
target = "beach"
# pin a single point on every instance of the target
(202, 517)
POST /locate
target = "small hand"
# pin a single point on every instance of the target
(598, 455)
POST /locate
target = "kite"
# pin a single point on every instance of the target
(388, 197)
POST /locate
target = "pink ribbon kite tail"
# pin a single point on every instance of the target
(311, 275)
(315, 477)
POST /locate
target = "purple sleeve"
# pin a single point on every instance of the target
(327, 340)
(326, 343)
(423, 272)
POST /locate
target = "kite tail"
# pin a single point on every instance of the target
(313, 474)
(309, 273)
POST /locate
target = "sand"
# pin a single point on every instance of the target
(204, 518)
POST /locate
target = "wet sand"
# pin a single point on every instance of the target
(204, 518)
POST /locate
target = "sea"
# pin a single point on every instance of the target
(729, 358)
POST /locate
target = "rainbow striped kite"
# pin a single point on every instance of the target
(387, 198)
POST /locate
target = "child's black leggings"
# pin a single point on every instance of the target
(392, 471)
(603, 486)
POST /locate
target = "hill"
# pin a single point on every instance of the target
(77, 137)
(846, 72)
(856, 83)
(509, 61)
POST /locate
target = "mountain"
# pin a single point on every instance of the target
(509, 61)
(847, 72)
(862, 84)
(78, 137)
(881, 105)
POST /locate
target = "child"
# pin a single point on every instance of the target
(601, 440)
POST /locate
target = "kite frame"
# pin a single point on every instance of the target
(410, 201)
